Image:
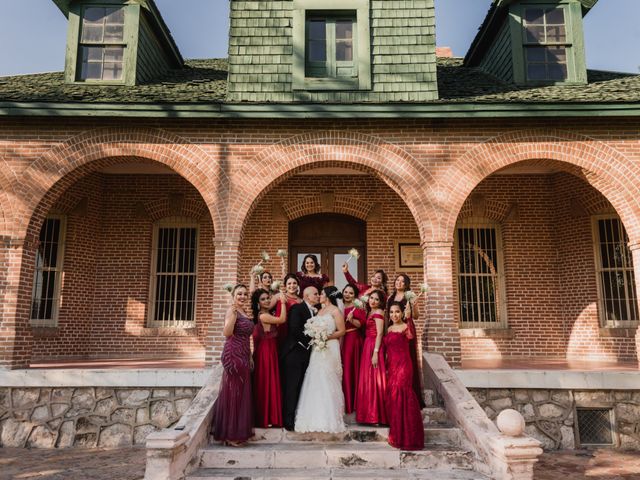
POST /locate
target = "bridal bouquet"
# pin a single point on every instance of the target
(317, 330)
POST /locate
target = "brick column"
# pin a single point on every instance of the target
(441, 332)
(635, 253)
(15, 333)
(225, 271)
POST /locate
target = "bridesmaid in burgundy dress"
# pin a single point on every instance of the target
(378, 281)
(290, 294)
(372, 381)
(402, 285)
(267, 396)
(351, 348)
(309, 274)
(233, 410)
(406, 430)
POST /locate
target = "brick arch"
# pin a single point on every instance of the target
(302, 207)
(7, 199)
(395, 167)
(603, 167)
(51, 174)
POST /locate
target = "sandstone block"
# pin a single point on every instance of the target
(117, 435)
(521, 396)
(161, 393)
(182, 405)
(551, 410)
(540, 395)
(106, 406)
(25, 397)
(41, 437)
(140, 433)
(163, 413)
(85, 440)
(102, 393)
(142, 415)
(130, 398)
(499, 393)
(123, 415)
(14, 433)
(628, 412)
(592, 398)
(62, 395)
(66, 435)
(40, 414)
(501, 404)
(58, 409)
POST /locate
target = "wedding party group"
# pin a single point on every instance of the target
(320, 353)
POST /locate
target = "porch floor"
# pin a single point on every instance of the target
(122, 363)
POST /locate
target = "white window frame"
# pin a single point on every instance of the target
(171, 222)
(631, 294)
(103, 45)
(500, 291)
(59, 269)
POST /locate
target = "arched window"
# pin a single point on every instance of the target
(617, 302)
(47, 282)
(480, 274)
(174, 273)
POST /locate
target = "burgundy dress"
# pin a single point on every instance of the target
(351, 350)
(372, 381)
(233, 409)
(363, 288)
(267, 396)
(305, 281)
(413, 349)
(282, 328)
(406, 430)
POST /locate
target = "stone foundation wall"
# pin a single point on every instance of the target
(87, 417)
(550, 414)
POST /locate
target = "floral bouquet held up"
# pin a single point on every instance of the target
(317, 330)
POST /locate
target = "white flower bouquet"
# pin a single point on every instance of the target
(358, 303)
(317, 330)
(275, 285)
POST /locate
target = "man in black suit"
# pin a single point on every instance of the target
(294, 355)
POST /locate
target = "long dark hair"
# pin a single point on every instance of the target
(385, 280)
(255, 303)
(316, 268)
(333, 294)
(400, 306)
(407, 283)
(356, 292)
(266, 272)
(287, 277)
(383, 300)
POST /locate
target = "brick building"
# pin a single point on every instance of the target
(135, 184)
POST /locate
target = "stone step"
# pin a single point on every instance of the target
(337, 455)
(436, 435)
(331, 474)
(434, 416)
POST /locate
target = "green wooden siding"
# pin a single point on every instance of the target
(498, 60)
(152, 60)
(403, 61)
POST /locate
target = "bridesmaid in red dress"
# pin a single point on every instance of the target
(406, 430)
(233, 410)
(372, 381)
(290, 294)
(402, 285)
(267, 396)
(351, 348)
(309, 274)
(378, 281)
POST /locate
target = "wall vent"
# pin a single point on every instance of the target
(595, 426)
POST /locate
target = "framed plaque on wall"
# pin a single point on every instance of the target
(408, 255)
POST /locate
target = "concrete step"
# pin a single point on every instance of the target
(336, 455)
(436, 435)
(331, 474)
(434, 416)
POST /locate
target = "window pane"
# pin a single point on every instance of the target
(112, 71)
(557, 54)
(534, 16)
(94, 15)
(113, 33)
(556, 34)
(92, 54)
(555, 16)
(535, 34)
(317, 30)
(114, 16)
(317, 51)
(557, 72)
(536, 72)
(113, 54)
(344, 30)
(92, 33)
(344, 51)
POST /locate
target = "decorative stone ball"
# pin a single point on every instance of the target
(511, 422)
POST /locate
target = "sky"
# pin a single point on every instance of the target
(33, 32)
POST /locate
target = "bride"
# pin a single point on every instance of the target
(321, 404)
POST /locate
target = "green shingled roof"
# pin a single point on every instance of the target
(205, 82)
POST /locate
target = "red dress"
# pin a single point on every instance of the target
(282, 328)
(363, 288)
(305, 281)
(267, 396)
(351, 350)
(406, 430)
(372, 381)
(233, 409)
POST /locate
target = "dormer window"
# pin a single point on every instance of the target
(101, 49)
(331, 48)
(545, 44)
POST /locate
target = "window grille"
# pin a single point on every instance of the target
(616, 283)
(101, 54)
(174, 273)
(480, 278)
(595, 426)
(45, 299)
(330, 48)
(545, 43)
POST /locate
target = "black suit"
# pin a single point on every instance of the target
(294, 360)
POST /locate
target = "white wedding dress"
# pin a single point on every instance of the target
(321, 401)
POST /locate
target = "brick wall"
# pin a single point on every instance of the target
(432, 165)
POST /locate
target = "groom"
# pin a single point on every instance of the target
(295, 353)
